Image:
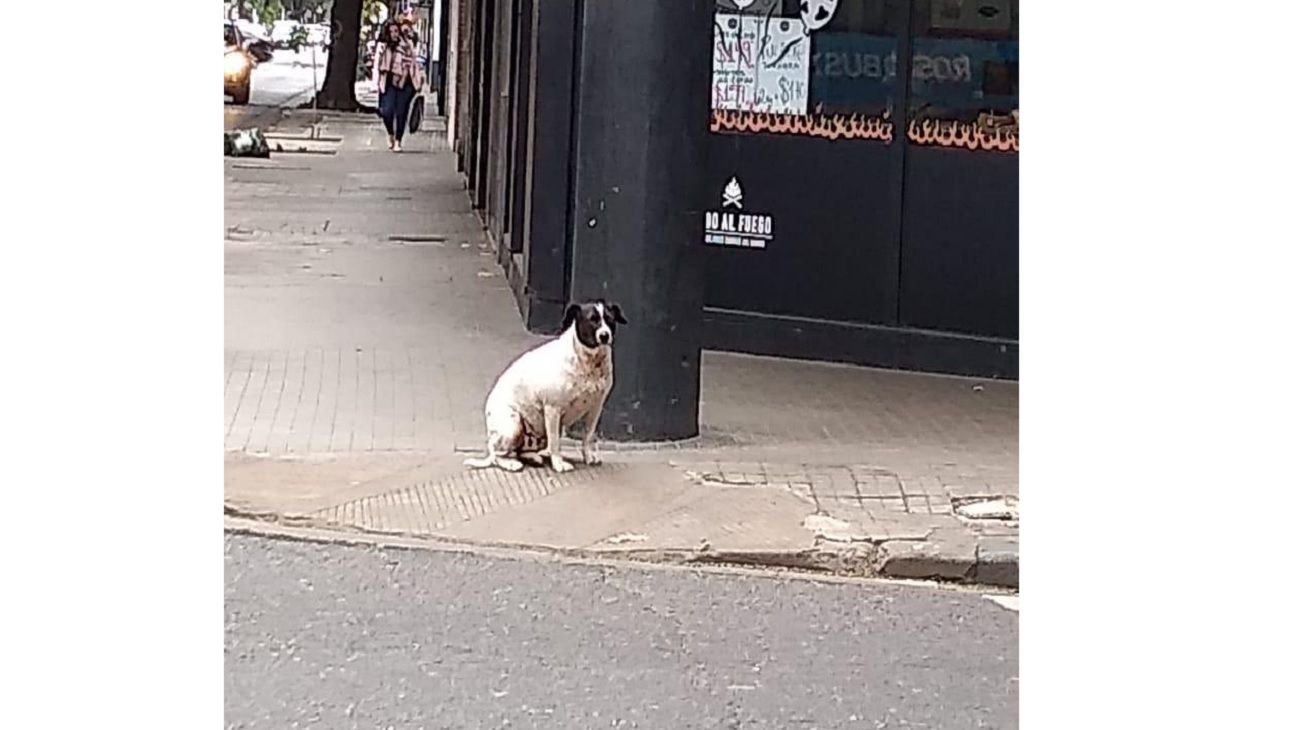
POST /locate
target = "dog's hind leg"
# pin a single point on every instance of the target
(532, 458)
(509, 463)
(497, 458)
(488, 459)
(503, 440)
(532, 448)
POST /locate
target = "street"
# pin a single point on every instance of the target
(332, 636)
(284, 80)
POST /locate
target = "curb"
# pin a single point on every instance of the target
(268, 115)
(993, 561)
(263, 117)
(297, 100)
(951, 558)
(326, 536)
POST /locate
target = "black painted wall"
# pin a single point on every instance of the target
(896, 233)
(834, 248)
(890, 252)
(960, 255)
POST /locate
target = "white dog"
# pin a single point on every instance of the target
(551, 387)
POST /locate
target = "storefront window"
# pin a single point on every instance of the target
(965, 75)
(817, 68)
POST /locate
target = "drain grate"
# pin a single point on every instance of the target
(415, 238)
(304, 151)
(269, 166)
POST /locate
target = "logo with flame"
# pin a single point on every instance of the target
(731, 194)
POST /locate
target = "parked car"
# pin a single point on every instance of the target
(260, 49)
(252, 30)
(256, 40)
(239, 62)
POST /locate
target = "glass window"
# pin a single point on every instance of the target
(819, 68)
(965, 75)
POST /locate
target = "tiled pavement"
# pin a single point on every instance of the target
(343, 341)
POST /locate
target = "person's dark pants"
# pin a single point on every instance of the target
(394, 106)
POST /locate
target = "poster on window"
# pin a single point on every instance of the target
(760, 64)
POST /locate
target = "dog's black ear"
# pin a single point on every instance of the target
(617, 311)
(570, 315)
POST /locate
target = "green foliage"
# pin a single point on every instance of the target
(309, 11)
(373, 10)
(266, 12)
(298, 38)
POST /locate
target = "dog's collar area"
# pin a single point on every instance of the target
(592, 355)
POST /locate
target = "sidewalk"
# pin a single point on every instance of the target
(366, 319)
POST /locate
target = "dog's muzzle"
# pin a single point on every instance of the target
(603, 337)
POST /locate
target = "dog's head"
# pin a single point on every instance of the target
(594, 322)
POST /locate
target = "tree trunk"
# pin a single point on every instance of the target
(339, 90)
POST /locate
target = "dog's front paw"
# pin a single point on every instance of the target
(510, 464)
(592, 459)
(560, 465)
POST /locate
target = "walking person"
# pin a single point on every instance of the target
(398, 76)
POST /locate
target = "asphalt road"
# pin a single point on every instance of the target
(276, 83)
(333, 636)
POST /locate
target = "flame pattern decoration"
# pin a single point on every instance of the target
(967, 135)
(928, 132)
(827, 126)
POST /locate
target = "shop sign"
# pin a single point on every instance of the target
(732, 225)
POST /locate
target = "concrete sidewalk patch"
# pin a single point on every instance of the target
(448, 506)
(303, 486)
(946, 554)
(634, 510)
